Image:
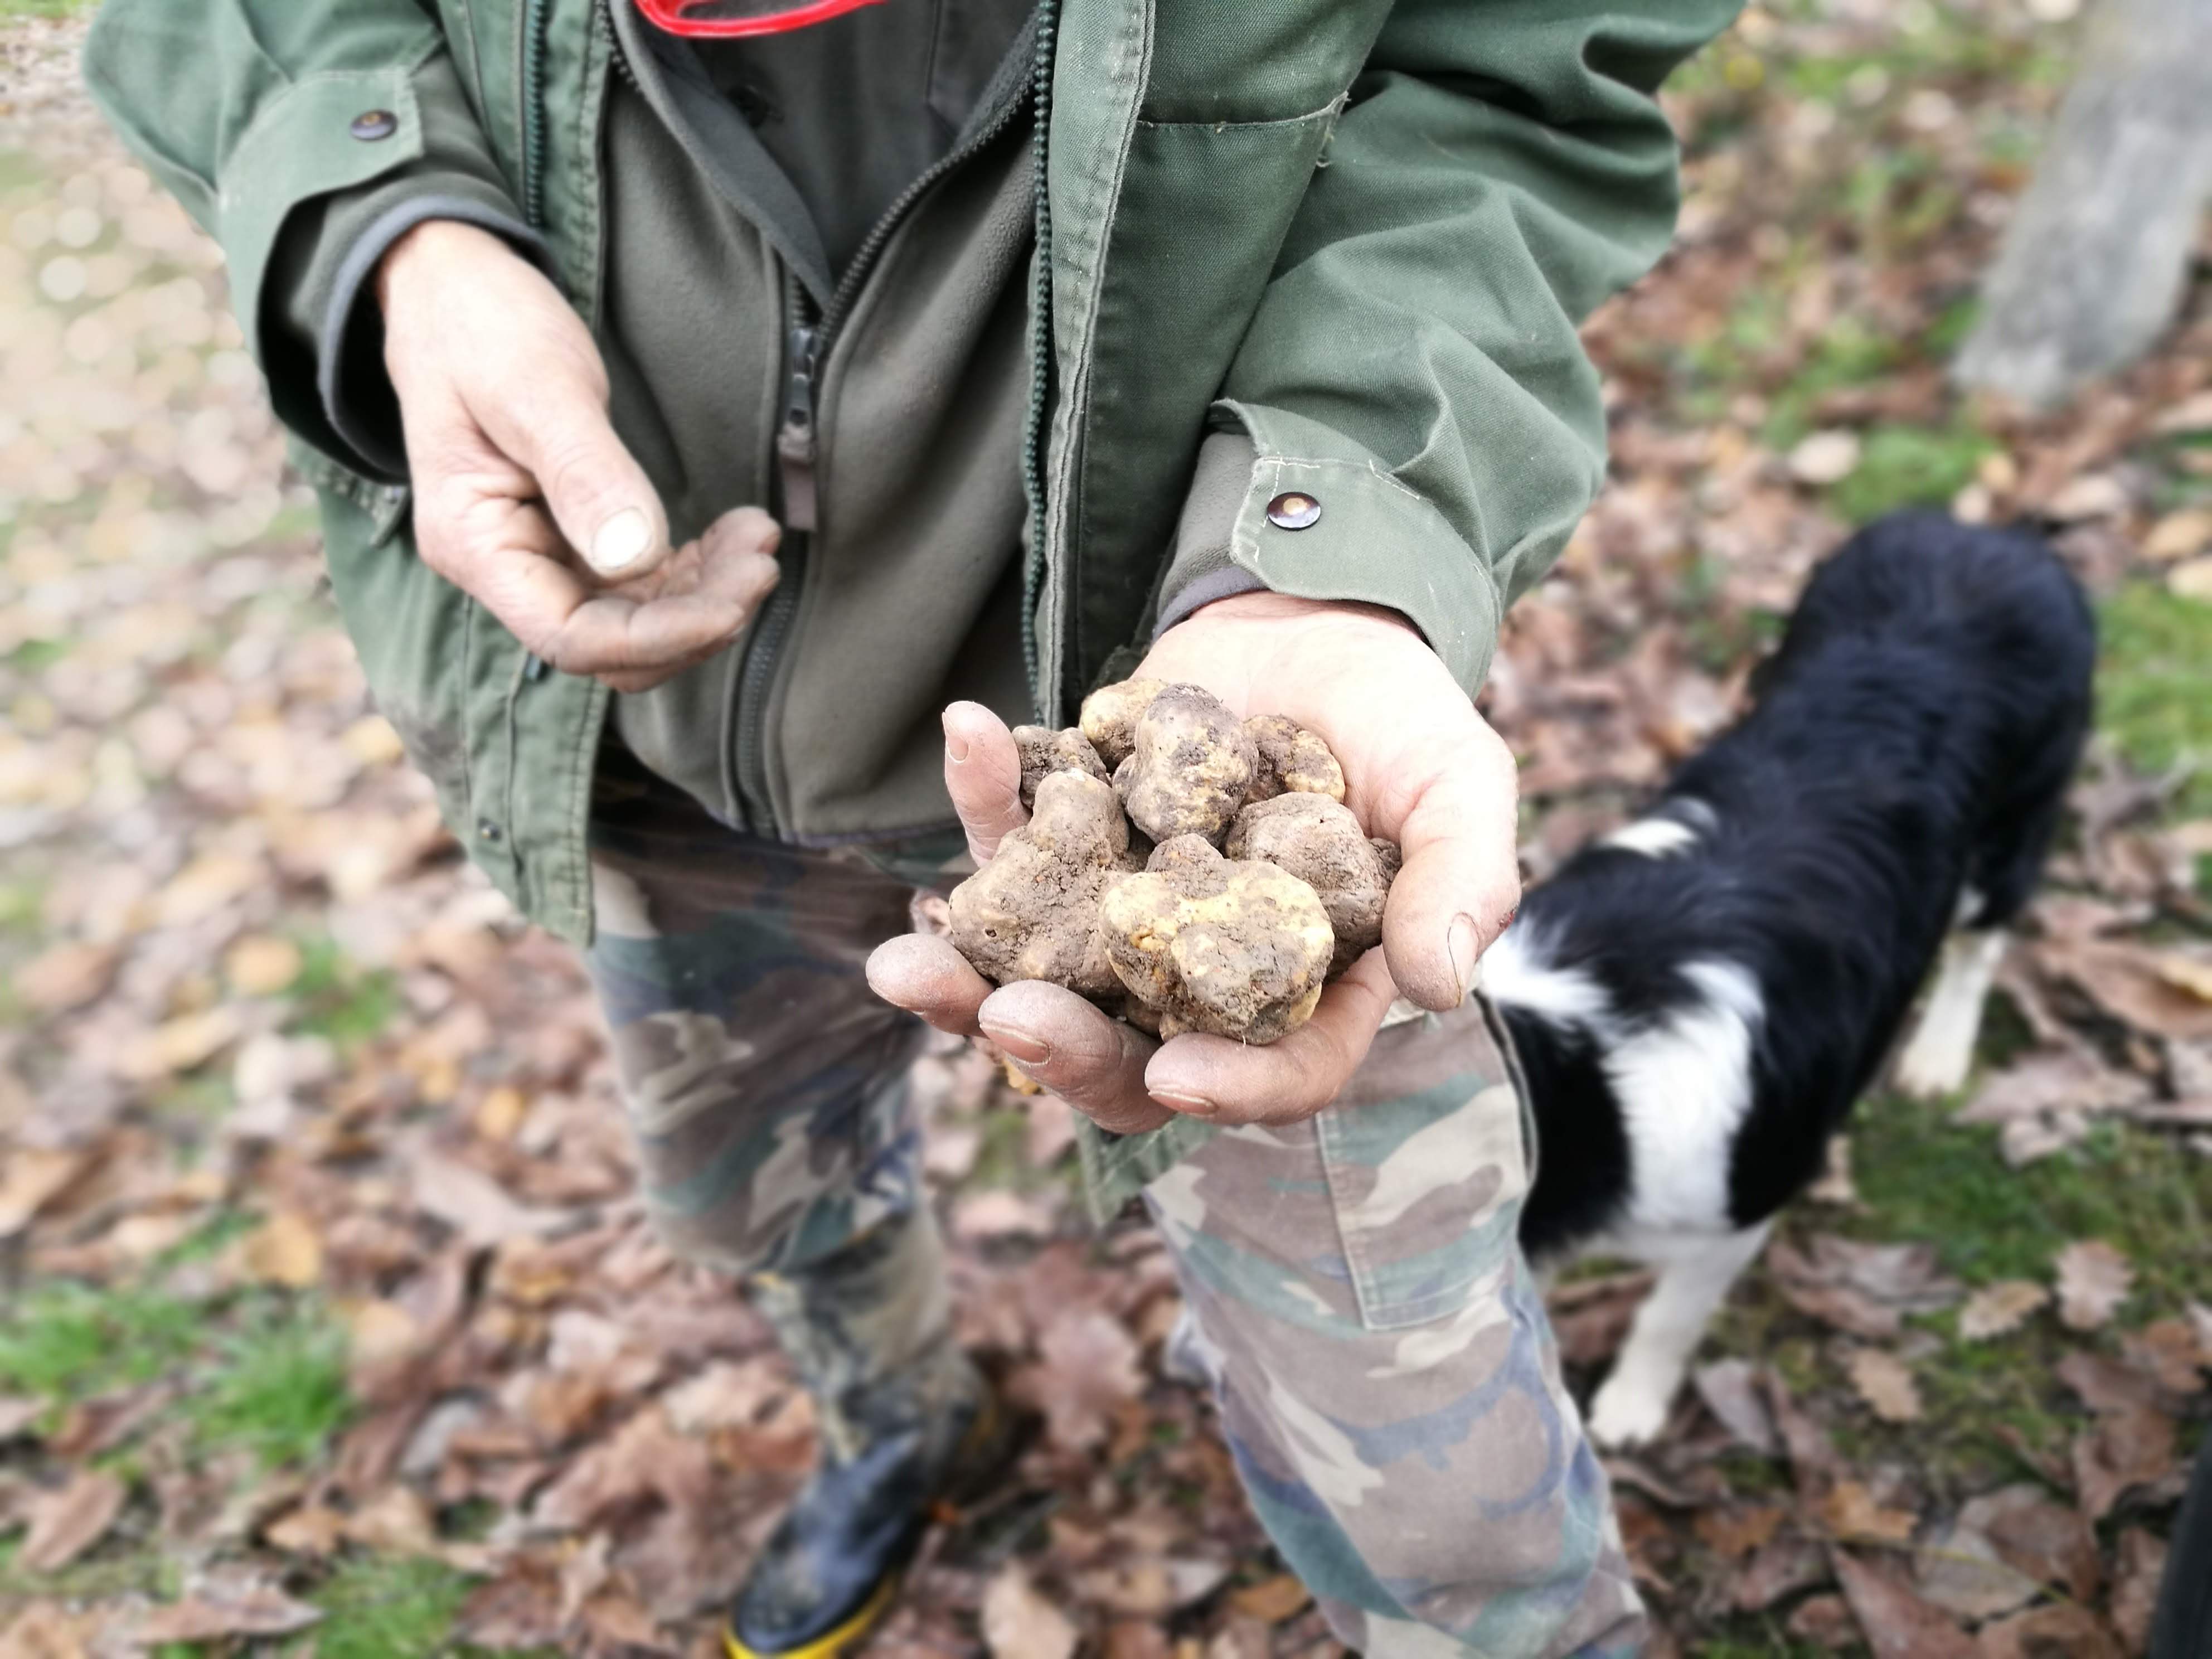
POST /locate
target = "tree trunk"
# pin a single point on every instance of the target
(2097, 256)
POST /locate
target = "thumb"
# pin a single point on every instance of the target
(605, 507)
(1461, 879)
(983, 772)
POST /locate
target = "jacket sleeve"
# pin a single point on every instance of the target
(1413, 365)
(304, 136)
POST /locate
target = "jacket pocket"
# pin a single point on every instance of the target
(410, 627)
(1203, 210)
(1427, 1160)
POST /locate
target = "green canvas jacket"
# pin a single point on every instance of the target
(1360, 233)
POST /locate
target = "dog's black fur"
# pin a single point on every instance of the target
(1911, 744)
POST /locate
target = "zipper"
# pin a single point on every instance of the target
(807, 342)
(533, 112)
(1033, 433)
(795, 445)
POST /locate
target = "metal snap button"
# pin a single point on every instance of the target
(1293, 510)
(488, 830)
(371, 125)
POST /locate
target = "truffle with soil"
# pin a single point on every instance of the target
(1262, 887)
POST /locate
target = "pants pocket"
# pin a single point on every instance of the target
(1427, 1162)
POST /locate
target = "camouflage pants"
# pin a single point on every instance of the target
(1388, 1383)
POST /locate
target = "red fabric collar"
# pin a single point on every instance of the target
(695, 18)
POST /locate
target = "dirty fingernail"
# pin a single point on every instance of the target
(1461, 945)
(1193, 1105)
(1018, 1043)
(621, 541)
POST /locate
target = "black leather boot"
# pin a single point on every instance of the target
(908, 1424)
(833, 1567)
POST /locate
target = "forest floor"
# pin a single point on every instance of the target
(328, 1319)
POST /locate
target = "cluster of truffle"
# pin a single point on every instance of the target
(1184, 869)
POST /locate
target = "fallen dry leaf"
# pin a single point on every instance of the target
(1851, 1513)
(1271, 1599)
(69, 1519)
(46, 1630)
(182, 1044)
(35, 1177)
(2138, 1571)
(2051, 1079)
(1151, 1587)
(1961, 1572)
(1020, 1624)
(66, 977)
(217, 1612)
(262, 965)
(997, 1213)
(2169, 1351)
(2093, 1280)
(2064, 1632)
(2049, 1542)
(2134, 983)
(1735, 1531)
(1087, 1369)
(1732, 1392)
(1783, 1567)
(1897, 1622)
(285, 1249)
(2179, 535)
(1997, 1309)
(1134, 1639)
(1824, 458)
(1825, 1621)
(1885, 1382)
(2192, 580)
(311, 1530)
(2105, 1384)
(2119, 1452)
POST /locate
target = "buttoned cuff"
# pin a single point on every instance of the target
(336, 170)
(1200, 569)
(357, 393)
(1321, 518)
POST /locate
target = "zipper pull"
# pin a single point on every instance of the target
(794, 440)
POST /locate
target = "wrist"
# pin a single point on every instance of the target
(426, 256)
(1264, 605)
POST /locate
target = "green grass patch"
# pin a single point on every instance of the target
(1850, 354)
(14, 8)
(1924, 1177)
(1769, 1642)
(1909, 466)
(262, 1371)
(2155, 683)
(279, 1390)
(336, 1000)
(69, 1341)
(380, 1608)
(35, 656)
(112, 1570)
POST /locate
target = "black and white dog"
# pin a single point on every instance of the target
(1699, 998)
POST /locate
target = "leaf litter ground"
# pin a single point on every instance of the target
(331, 1322)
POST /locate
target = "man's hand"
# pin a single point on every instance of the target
(517, 472)
(1421, 768)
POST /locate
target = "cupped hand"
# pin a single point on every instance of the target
(1421, 768)
(523, 496)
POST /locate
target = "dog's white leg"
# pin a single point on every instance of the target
(1935, 1061)
(1695, 1273)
